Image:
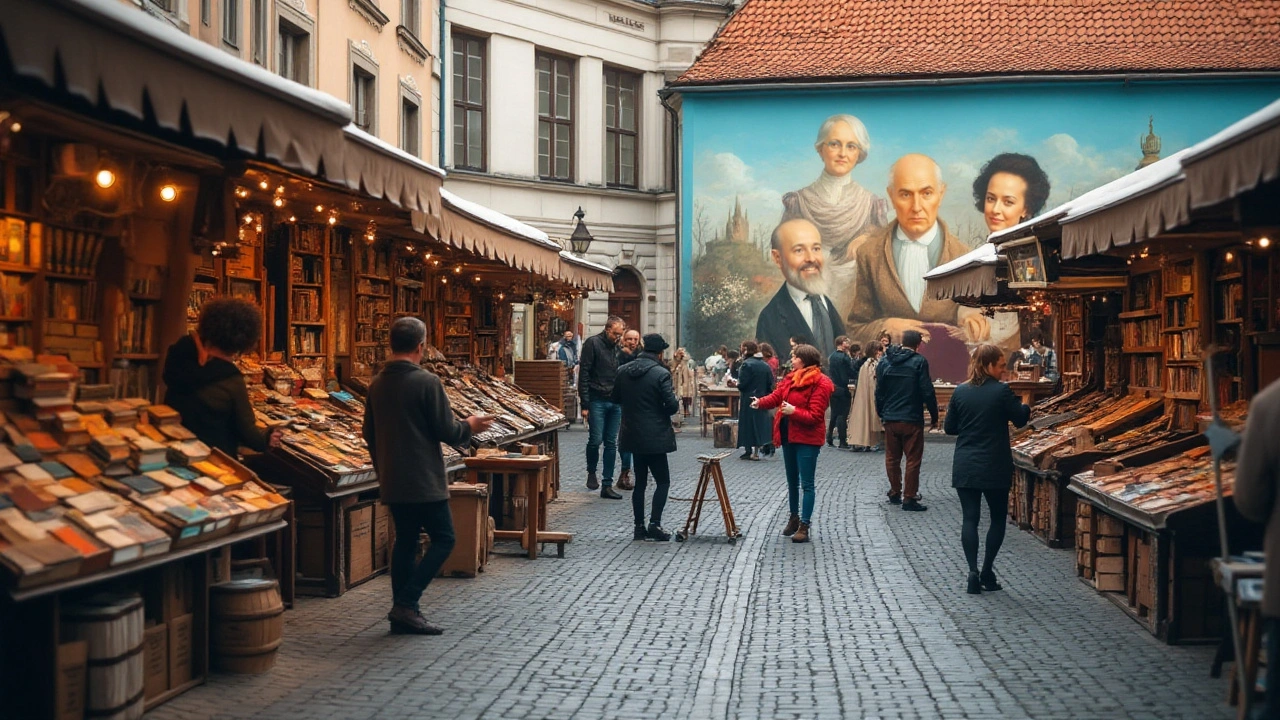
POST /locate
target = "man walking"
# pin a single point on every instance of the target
(567, 354)
(597, 370)
(840, 370)
(406, 417)
(904, 390)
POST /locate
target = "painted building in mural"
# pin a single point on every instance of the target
(815, 211)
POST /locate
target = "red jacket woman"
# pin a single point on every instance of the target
(800, 428)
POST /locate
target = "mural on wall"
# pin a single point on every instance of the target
(817, 214)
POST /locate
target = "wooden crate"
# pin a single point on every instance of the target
(359, 542)
(543, 378)
(725, 433)
(1051, 509)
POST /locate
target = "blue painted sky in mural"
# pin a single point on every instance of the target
(758, 146)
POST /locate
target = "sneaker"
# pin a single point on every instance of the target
(895, 499)
(410, 622)
(606, 491)
(656, 532)
(639, 533)
(913, 506)
(593, 482)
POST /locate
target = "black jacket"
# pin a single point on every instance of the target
(756, 380)
(648, 400)
(211, 398)
(406, 417)
(840, 370)
(980, 416)
(904, 387)
(597, 368)
(781, 319)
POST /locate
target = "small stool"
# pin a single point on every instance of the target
(710, 474)
(531, 472)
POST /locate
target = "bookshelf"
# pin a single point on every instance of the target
(372, 307)
(240, 276)
(340, 299)
(457, 302)
(305, 296)
(1141, 327)
(488, 342)
(1071, 346)
(1182, 339)
(1229, 313)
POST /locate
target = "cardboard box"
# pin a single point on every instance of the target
(180, 651)
(1109, 582)
(155, 660)
(70, 682)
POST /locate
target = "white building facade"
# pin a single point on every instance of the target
(554, 105)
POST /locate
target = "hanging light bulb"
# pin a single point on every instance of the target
(502, 296)
(248, 219)
(264, 184)
(319, 208)
(408, 247)
(168, 192)
(444, 280)
(293, 218)
(279, 189)
(457, 269)
(1264, 242)
(105, 178)
(476, 279)
(15, 127)
(278, 201)
(242, 192)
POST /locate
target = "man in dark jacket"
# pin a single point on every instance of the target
(1257, 495)
(904, 390)
(597, 370)
(648, 400)
(406, 417)
(840, 370)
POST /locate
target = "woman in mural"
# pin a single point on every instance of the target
(1011, 188)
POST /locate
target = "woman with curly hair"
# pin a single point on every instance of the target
(1010, 188)
(204, 385)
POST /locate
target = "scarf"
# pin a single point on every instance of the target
(805, 377)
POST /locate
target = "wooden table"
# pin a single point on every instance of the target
(1029, 391)
(1231, 578)
(724, 400)
(533, 472)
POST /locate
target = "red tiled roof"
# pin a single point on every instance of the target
(799, 40)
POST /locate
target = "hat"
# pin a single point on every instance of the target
(653, 343)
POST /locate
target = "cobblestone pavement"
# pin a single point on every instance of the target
(868, 621)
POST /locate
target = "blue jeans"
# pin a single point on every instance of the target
(603, 420)
(626, 459)
(801, 462)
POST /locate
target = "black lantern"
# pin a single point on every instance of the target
(581, 238)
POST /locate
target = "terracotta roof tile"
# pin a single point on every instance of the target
(798, 40)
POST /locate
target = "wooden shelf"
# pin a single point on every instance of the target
(306, 252)
(1144, 350)
(297, 355)
(373, 295)
(73, 322)
(244, 278)
(1180, 328)
(1228, 276)
(12, 319)
(315, 323)
(1179, 294)
(1236, 321)
(1183, 395)
(68, 276)
(306, 285)
(1138, 314)
(367, 344)
(1188, 362)
(145, 298)
(16, 268)
(384, 278)
(137, 356)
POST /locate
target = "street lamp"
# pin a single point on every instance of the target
(581, 238)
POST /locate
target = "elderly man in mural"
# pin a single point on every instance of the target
(801, 306)
(889, 291)
(835, 203)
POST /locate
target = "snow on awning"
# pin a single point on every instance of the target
(972, 275)
(385, 171)
(584, 273)
(1235, 160)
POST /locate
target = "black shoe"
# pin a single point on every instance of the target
(745, 456)
(988, 579)
(975, 585)
(843, 446)
(593, 483)
(607, 492)
(830, 443)
(410, 622)
(639, 533)
(656, 532)
(895, 499)
(913, 506)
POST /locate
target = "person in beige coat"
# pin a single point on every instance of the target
(1257, 496)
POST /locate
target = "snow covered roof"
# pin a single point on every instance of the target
(492, 217)
(970, 275)
(376, 142)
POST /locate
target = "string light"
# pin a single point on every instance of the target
(168, 192)
(476, 279)
(264, 184)
(242, 192)
(1264, 242)
(319, 208)
(278, 201)
(105, 178)
(457, 269)
(248, 219)
(444, 280)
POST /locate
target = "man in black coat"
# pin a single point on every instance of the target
(597, 370)
(648, 401)
(904, 390)
(840, 370)
(801, 306)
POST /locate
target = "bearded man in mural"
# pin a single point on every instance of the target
(801, 306)
(890, 264)
(835, 203)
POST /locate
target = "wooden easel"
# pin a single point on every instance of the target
(710, 473)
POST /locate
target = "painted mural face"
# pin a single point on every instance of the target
(1003, 154)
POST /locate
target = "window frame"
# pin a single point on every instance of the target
(206, 12)
(302, 27)
(259, 29)
(617, 130)
(231, 22)
(359, 62)
(411, 16)
(408, 97)
(551, 120)
(466, 105)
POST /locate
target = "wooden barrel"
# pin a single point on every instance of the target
(246, 625)
(112, 628)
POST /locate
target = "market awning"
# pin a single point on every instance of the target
(971, 275)
(1235, 160)
(585, 274)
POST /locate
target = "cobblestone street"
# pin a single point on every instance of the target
(868, 621)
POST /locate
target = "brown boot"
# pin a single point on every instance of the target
(792, 525)
(802, 533)
(624, 481)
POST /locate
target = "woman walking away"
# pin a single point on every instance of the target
(643, 389)
(864, 425)
(755, 380)
(982, 467)
(800, 428)
(682, 378)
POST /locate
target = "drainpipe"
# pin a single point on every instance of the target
(665, 97)
(444, 78)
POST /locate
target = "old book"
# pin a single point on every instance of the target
(92, 502)
(166, 478)
(80, 463)
(56, 469)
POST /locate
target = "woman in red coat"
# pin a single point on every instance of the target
(800, 427)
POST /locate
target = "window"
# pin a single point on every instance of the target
(620, 90)
(206, 12)
(363, 97)
(231, 22)
(411, 16)
(468, 102)
(260, 39)
(410, 128)
(293, 47)
(165, 5)
(555, 117)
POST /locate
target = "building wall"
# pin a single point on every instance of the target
(632, 227)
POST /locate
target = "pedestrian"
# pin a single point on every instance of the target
(755, 380)
(1257, 488)
(770, 357)
(801, 398)
(734, 359)
(683, 378)
(1044, 356)
(840, 370)
(567, 354)
(648, 400)
(597, 370)
(630, 351)
(204, 385)
(406, 417)
(979, 414)
(865, 430)
(904, 390)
